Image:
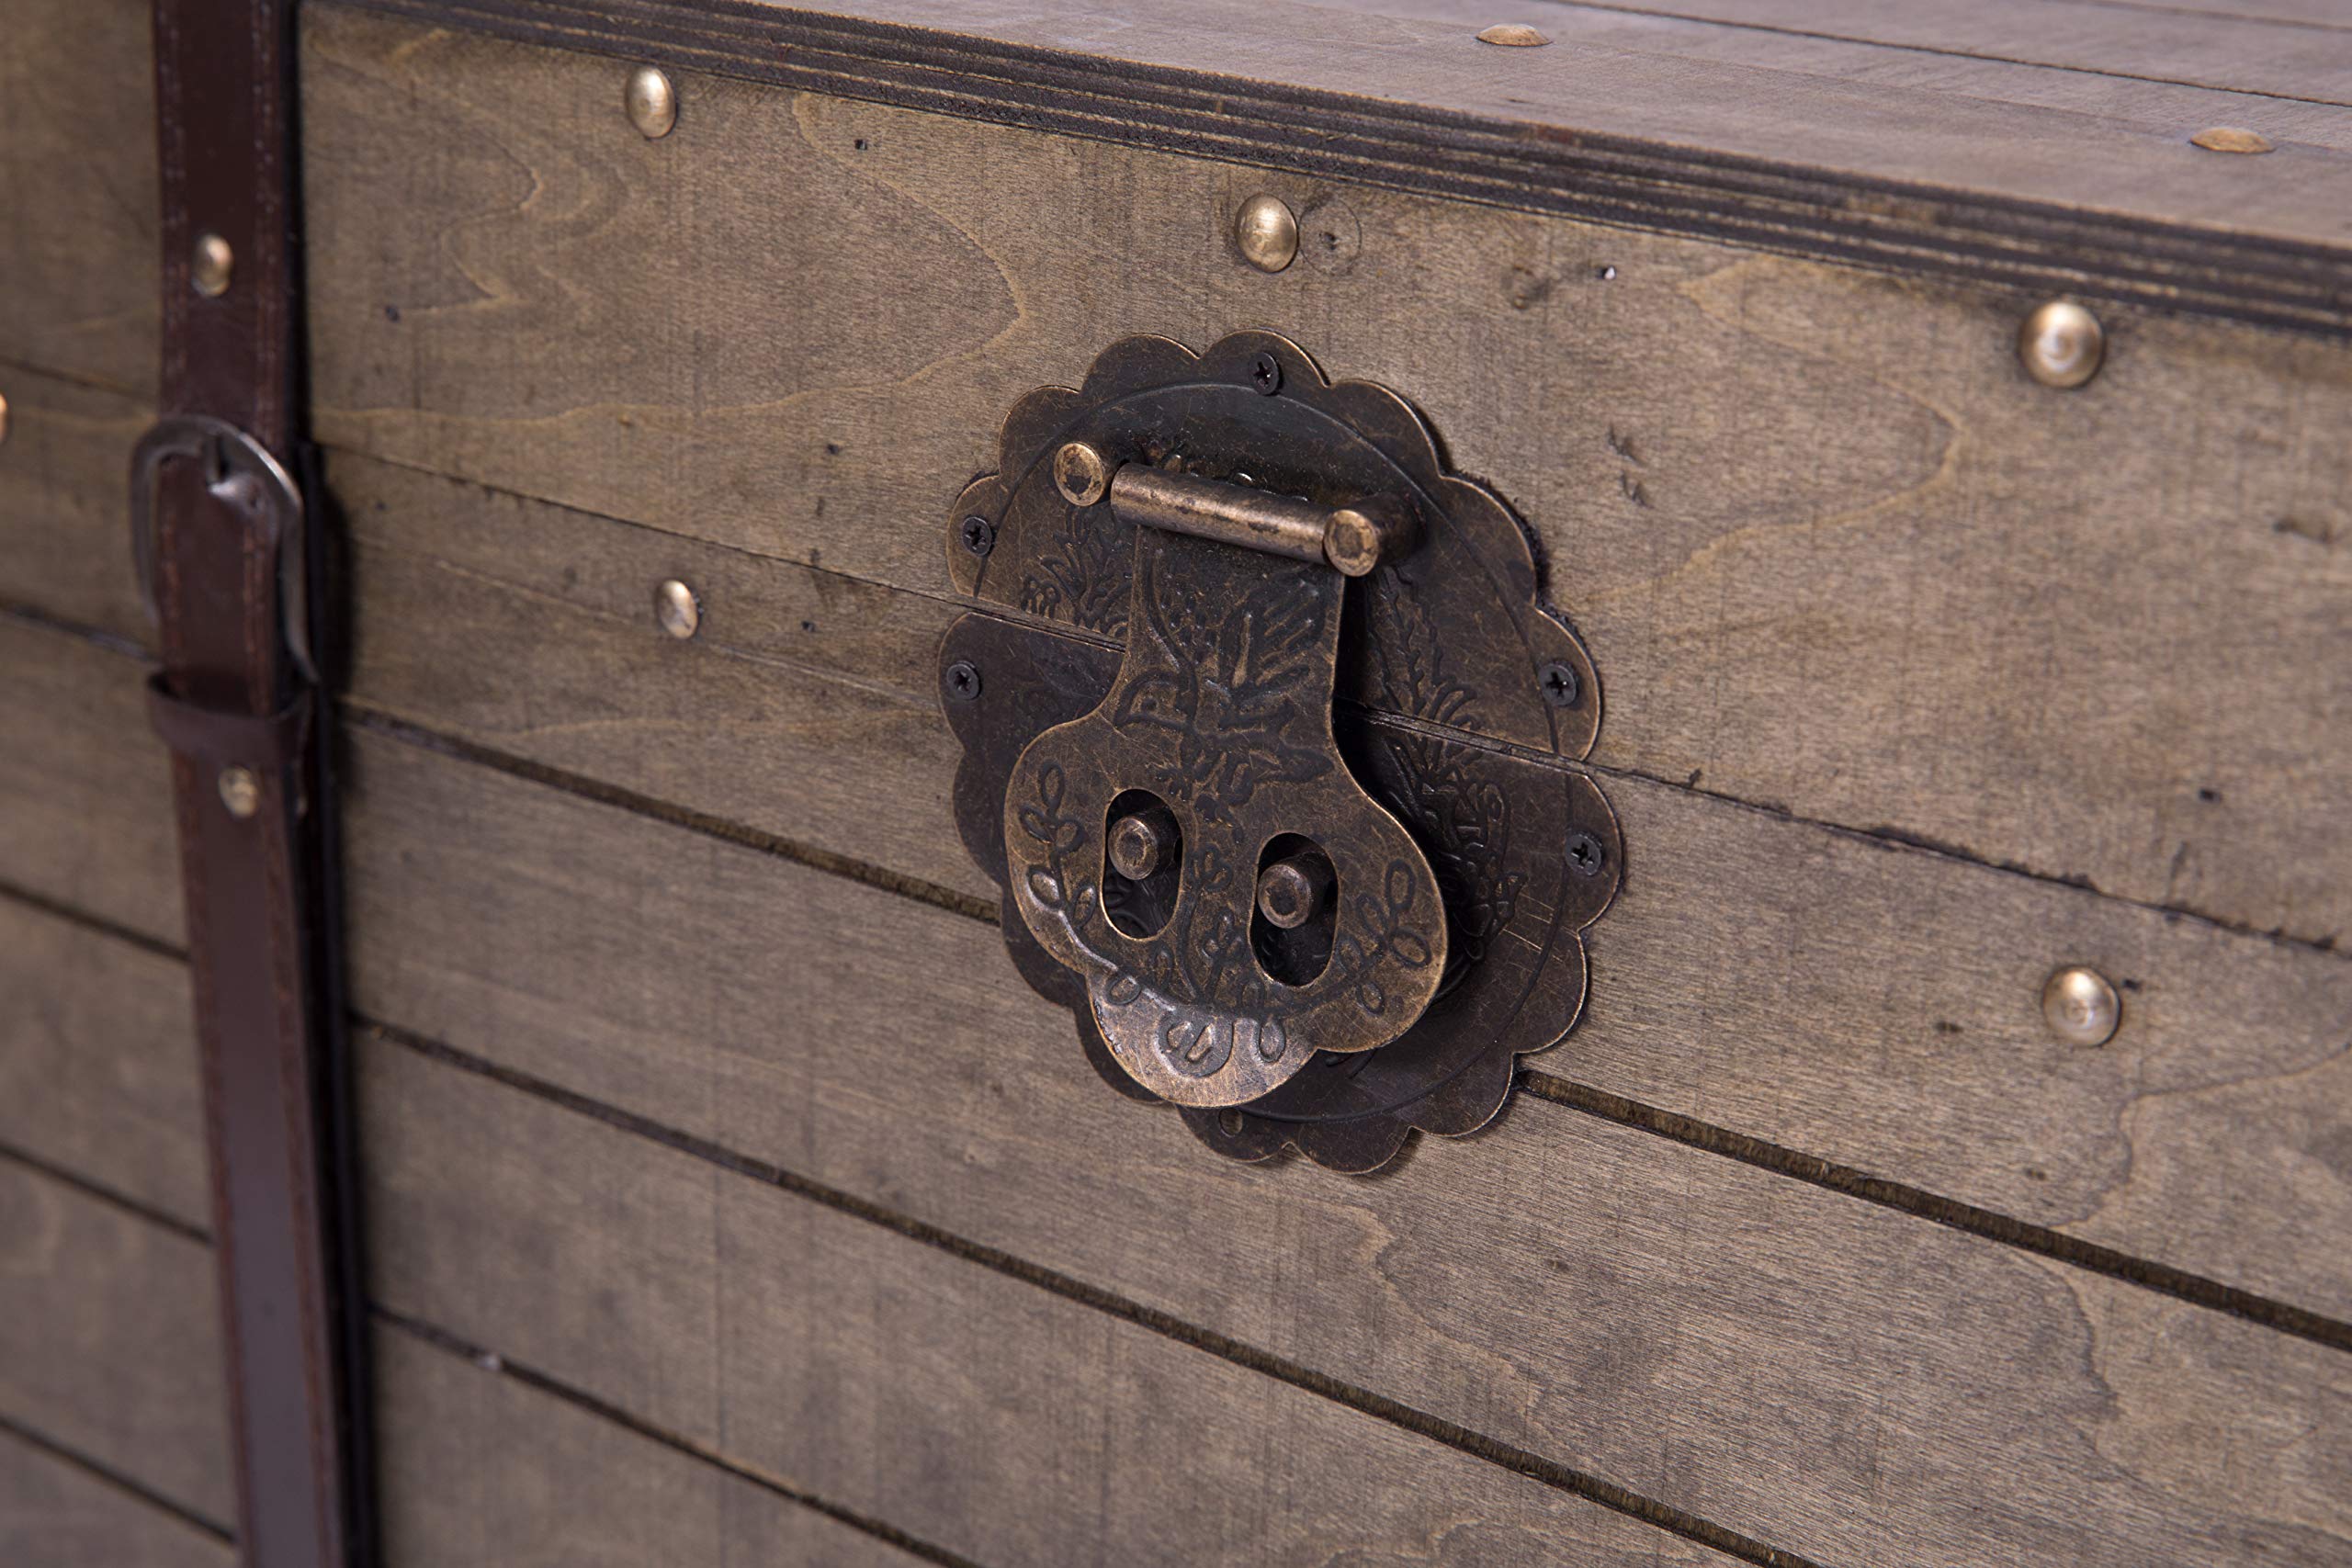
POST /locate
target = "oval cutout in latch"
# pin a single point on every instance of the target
(1270, 752)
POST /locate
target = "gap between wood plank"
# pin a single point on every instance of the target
(97, 924)
(489, 1360)
(2162, 1279)
(1786, 30)
(136, 1208)
(1506, 1455)
(135, 1491)
(362, 714)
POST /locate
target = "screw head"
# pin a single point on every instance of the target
(240, 792)
(1513, 35)
(651, 102)
(1586, 854)
(963, 681)
(2080, 1006)
(675, 608)
(1560, 684)
(1266, 375)
(978, 535)
(209, 265)
(1081, 473)
(1290, 890)
(1141, 842)
(1267, 232)
(4, 418)
(2061, 344)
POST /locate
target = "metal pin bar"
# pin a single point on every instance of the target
(1354, 539)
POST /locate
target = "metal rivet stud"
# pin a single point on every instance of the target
(2061, 344)
(1267, 232)
(240, 792)
(1513, 35)
(1292, 889)
(2232, 139)
(211, 265)
(1141, 842)
(2080, 1006)
(1560, 684)
(651, 102)
(4, 418)
(1081, 473)
(963, 681)
(675, 608)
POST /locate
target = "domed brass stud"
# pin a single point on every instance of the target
(209, 265)
(2061, 344)
(676, 608)
(651, 102)
(1267, 232)
(2080, 1006)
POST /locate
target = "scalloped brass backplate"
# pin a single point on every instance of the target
(1342, 776)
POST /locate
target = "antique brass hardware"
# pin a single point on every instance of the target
(1270, 743)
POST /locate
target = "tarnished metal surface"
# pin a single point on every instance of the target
(1439, 846)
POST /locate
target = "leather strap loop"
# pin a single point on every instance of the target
(222, 738)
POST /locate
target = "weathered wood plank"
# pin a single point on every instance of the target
(1403, 88)
(85, 810)
(1820, 1373)
(478, 1471)
(65, 528)
(54, 1514)
(1870, 1006)
(1830, 548)
(97, 1061)
(970, 1409)
(77, 177)
(2243, 53)
(108, 1343)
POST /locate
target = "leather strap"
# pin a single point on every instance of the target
(219, 520)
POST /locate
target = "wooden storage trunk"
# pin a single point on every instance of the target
(726, 1193)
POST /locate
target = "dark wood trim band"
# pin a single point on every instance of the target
(1883, 224)
(243, 720)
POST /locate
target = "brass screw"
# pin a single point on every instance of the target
(651, 102)
(1513, 35)
(963, 681)
(2061, 344)
(1081, 473)
(1292, 889)
(675, 608)
(2080, 1006)
(1585, 855)
(1560, 684)
(240, 792)
(210, 265)
(979, 535)
(1142, 842)
(1267, 232)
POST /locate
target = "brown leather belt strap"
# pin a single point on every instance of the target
(223, 541)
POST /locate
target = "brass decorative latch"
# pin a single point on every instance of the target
(1265, 732)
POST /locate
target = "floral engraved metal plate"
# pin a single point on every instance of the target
(1304, 854)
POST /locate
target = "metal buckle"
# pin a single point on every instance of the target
(229, 457)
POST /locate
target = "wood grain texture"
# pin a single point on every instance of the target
(97, 1062)
(1867, 1004)
(1823, 1374)
(995, 1420)
(86, 813)
(65, 524)
(55, 1514)
(2243, 53)
(1672, 123)
(77, 180)
(108, 1343)
(476, 1469)
(1832, 551)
